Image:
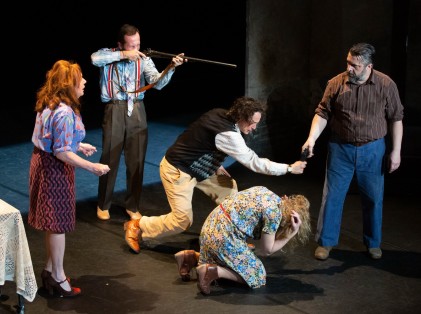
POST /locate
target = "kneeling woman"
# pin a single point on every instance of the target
(251, 213)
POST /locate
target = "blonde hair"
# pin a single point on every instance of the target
(301, 205)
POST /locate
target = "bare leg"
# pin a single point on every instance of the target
(48, 265)
(229, 274)
(207, 273)
(56, 243)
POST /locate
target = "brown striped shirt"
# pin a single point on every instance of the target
(360, 113)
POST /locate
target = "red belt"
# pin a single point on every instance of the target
(225, 212)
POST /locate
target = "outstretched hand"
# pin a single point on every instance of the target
(309, 145)
(298, 167)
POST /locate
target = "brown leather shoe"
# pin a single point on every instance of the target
(186, 260)
(322, 252)
(132, 234)
(133, 215)
(206, 274)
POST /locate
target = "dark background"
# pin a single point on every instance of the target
(46, 31)
(53, 30)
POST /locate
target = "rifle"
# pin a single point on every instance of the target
(153, 53)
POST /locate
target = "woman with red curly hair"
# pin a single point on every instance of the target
(57, 138)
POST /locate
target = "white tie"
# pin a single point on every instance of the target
(130, 101)
(130, 87)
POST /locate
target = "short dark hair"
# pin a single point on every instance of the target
(363, 50)
(128, 30)
(243, 109)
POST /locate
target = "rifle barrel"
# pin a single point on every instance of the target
(153, 53)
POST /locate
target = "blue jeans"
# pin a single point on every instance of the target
(343, 161)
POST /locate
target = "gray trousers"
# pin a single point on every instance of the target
(128, 135)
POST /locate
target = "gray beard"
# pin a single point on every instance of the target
(357, 79)
(353, 79)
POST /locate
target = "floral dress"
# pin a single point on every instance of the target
(226, 229)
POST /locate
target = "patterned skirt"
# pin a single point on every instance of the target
(51, 193)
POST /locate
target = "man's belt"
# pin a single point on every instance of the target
(358, 144)
(121, 102)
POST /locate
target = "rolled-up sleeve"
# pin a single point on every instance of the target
(105, 56)
(153, 76)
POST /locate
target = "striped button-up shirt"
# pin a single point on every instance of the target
(117, 77)
(360, 113)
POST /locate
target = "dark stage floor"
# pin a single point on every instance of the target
(114, 280)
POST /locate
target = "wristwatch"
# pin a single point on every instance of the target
(289, 169)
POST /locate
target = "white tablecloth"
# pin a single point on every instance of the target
(15, 257)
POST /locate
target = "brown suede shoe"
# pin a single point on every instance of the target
(322, 252)
(206, 274)
(186, 260)
(102, 214)
(132, 234)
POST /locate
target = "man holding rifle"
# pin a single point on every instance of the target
(124, 73)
